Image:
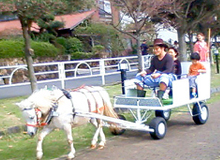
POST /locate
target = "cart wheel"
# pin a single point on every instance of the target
(117, 130)
(200, 118)
(160, 127)
(164, 114)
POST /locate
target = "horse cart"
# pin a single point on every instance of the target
(50, 109)
(142, 108)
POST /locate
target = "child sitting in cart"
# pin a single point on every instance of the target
(194, 70)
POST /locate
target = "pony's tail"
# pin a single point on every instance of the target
(109, 111)
(114, 127)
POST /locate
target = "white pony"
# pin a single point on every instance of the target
(51, 109)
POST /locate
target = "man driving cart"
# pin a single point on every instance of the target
(159, 74)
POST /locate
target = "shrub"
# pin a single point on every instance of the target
(45, 37)
(71, 44)
(74, 45)
(62, 41)
(81, 55)
(98, 49)
(15, 49)
(44, 49)
(11, 49)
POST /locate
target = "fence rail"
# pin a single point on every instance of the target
(62, 72)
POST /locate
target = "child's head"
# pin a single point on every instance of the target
(195, 56)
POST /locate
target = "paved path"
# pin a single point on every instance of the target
(184, 141)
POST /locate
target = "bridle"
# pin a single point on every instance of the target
(38, 113)
(38, 116)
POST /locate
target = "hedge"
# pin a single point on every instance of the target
(11, 49)
(44, 49)
(81, 55)
(70, 44)
(15, 49)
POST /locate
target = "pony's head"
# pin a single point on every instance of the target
(35, 106)
(29, 115)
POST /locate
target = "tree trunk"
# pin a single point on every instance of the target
(28, 58)
(190, 35)
(182, 44)
(139, 54)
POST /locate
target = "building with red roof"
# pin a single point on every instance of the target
(70, 22)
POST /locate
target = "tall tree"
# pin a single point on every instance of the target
(140, 12)
(102, 34)
(49, 24)
(29, 11)
(185, 15)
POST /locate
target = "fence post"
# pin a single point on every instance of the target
(11, 76)
(143, 62)
(102, 70)
(61, 72)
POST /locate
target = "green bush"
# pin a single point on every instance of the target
(11, 49)
(15, 49)
(44, 49)
(71, 44)
(98, 49)
(74, 45)
(62, 41)
(81, 55)
(45, 37)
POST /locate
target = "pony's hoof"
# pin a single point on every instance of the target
(93, 146)
(39, 155)
(100, 147)
(70, 156)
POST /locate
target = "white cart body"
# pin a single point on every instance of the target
(139, 106)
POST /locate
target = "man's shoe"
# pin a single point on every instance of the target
(160, 94)
(141, 93)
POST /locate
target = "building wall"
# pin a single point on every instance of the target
(106, 12)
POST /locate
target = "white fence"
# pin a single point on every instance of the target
(70, 70)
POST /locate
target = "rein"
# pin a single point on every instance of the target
(38, 124)
(52, 109)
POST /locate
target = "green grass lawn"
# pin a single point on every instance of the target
(55, 144)
(21, 147)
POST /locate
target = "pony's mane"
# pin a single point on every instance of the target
(43, 98)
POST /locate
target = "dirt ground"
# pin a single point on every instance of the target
(184, 141)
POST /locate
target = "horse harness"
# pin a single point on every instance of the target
(87, 90)
(89, 102)
(52, 112)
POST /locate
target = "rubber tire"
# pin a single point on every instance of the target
(118, 131)
(200, 118)
(160, 127)
(164, 114)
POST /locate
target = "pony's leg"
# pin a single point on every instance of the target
(94, 122)
(68, 130)
(45, 131)
(95, 138)
(99, 131)
(102, 137)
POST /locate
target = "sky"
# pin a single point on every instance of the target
(166, 35)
